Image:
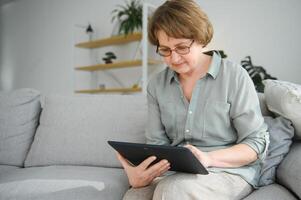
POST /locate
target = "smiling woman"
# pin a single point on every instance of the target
(215, 113)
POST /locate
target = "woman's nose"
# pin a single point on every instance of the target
(174, 57)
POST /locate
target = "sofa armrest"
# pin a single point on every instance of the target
(289, 171)
(271, 192)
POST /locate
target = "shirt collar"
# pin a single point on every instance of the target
(213, 68)
(215, 64)
(172, 75)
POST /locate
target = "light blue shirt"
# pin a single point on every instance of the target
(223, 111)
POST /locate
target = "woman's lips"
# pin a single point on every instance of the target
(177, 64)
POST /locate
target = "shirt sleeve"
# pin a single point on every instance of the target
(155, 131)
(246, 115)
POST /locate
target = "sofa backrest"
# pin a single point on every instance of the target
(19, 117)
(74, 130)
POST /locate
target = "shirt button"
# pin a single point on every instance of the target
(187, 131)
(190, 112)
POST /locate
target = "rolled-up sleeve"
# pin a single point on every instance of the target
(246, 115)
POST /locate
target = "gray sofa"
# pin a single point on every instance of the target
(59, 150)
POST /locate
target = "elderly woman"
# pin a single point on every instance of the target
(204, 103)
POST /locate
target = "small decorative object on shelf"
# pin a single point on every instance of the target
(129, 17)
(108, 58)
(102, 86)
(90, 31)
(135, 86)
(257, 73)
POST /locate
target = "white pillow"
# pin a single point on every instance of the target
(284, 98)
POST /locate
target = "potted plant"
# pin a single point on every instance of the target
(257, 73)
(129, 17)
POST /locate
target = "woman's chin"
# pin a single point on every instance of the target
(181, 70)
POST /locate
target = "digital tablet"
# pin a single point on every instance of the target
(181, 159)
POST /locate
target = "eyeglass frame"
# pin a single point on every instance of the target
(175, 50)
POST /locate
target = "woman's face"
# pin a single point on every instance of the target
(182, 64)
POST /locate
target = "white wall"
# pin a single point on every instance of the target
(37, 38)
(37, 41)
(269, 31)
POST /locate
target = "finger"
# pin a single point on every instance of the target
(192, 148)
(123, 161)
(195, 151)
(164, 170)
(154, 171)
(147, 162)
(161, 171)
(155, 168)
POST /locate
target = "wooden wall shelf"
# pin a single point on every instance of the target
(116, 65)
(110, 90)
(147, 63)
(120, 39)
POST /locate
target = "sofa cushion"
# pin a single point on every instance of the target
(6, 168)
(281, 133)
(263, 106)
(271, 192)
(284, 98)
(19, 116)
(74, 130)
(289, 171)
(64, 183)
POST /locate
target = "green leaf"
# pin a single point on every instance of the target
(133, 11)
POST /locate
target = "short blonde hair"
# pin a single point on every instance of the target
(180, 19)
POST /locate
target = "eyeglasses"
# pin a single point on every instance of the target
(182, 50)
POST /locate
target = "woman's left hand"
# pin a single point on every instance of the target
(203, 157)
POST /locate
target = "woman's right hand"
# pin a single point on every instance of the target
(143, 174)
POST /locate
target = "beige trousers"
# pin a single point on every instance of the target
(179, 186)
